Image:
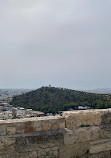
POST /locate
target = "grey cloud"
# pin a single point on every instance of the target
(66, 43)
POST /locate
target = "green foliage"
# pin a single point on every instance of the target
(15, 117)
(70, 106)
(53, 100)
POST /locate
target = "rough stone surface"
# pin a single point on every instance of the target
(100, 146)
(82, 118)
(77, 134)
(11, 130)
(2, 129)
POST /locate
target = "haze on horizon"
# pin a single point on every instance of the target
(66, 43)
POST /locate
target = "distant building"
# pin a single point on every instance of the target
(49, 85)
(83, 107)
(21, 112)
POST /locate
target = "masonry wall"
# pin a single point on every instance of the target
(76, 134)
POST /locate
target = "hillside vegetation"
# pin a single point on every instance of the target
(53, 100)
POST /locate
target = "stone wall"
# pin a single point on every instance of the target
(76, 134)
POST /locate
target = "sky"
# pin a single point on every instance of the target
(65, 43)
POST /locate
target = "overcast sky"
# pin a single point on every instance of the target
(66, 43)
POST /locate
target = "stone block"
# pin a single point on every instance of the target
(100, 145)
(106, 117)
(94, 132)
(86, 118)
(7, 141)
(105, 154)
(37, 126)
(62, 125)
(105, 132)
(3, 129)
(11, 130)
(46, 127)
(73, 150)
(81, 135)
(20, 127)
(29, 127)
(55, 126)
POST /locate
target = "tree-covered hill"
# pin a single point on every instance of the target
(53, 100)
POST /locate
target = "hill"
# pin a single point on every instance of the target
(53, 100)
